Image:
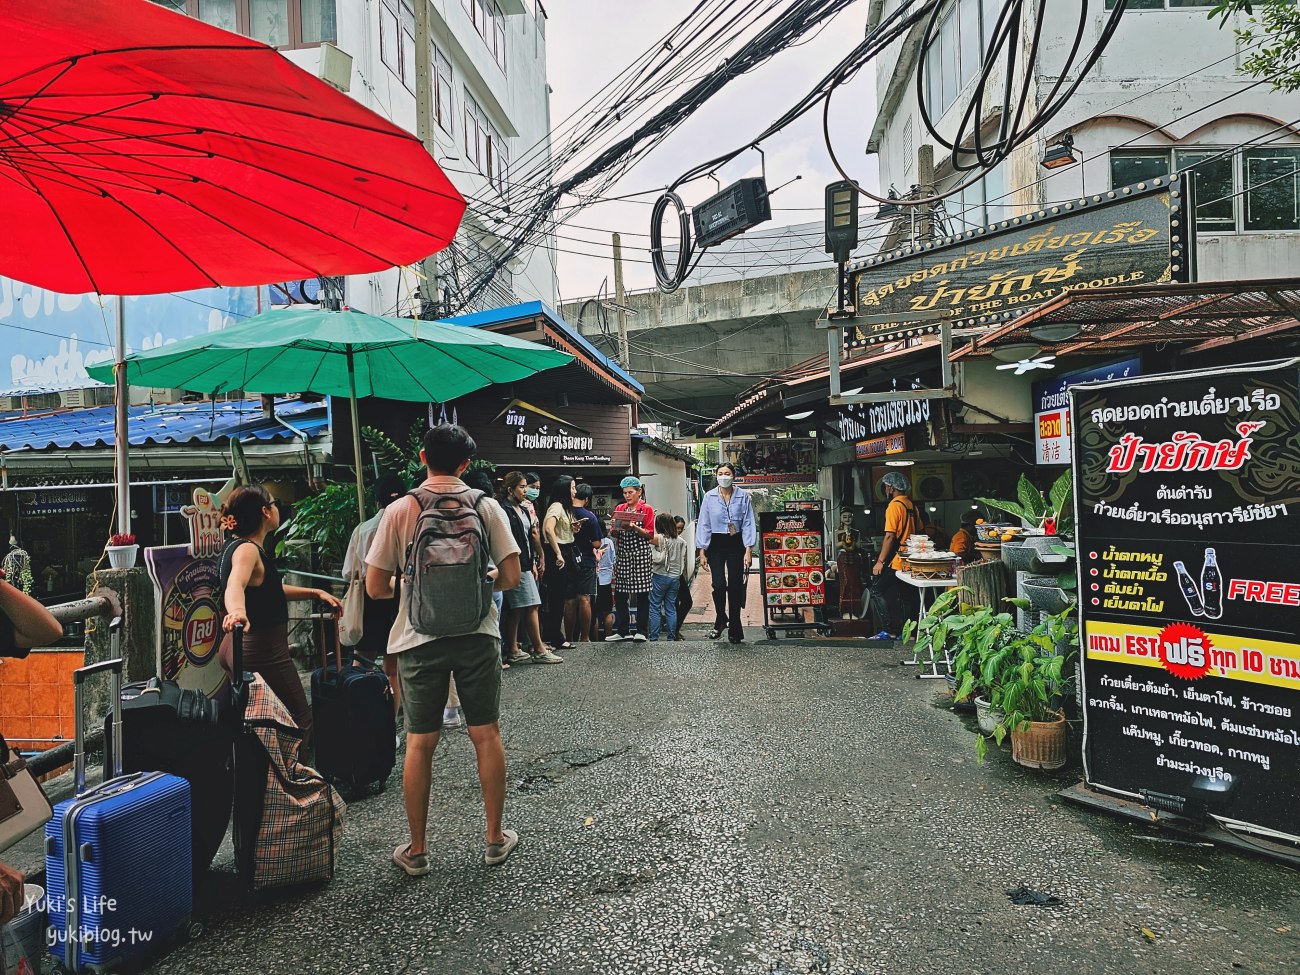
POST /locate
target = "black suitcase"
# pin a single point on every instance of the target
(354, 724)
(169, 729)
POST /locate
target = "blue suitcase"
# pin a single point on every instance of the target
(117, 857)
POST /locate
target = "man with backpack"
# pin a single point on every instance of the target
(454, 548)
(902, 520)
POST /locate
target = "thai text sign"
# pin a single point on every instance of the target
(1139, 237)
(1052, 408)
(1187, 492)
(794, 570)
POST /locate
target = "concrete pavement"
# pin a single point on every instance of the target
(768, 808)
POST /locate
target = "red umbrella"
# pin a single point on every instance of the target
(142, 151)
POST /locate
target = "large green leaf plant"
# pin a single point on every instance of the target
(1033, 507)
(1032, 671)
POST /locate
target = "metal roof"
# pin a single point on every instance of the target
(181, 423)
(533, 309)
(1197, 317)
(806, 379)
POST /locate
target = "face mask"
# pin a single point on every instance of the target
(532, 494)
(724, 480)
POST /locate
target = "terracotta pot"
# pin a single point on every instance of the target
(1040, 744)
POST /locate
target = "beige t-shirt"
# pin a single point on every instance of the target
(397, 528)
(563, 527)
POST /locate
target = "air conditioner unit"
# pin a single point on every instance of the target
(72, 398)
(335, 67)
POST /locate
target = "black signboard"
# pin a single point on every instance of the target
(1187, 495)
(794, 565)
(1130, 235)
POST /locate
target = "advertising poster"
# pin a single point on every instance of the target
(187, 590)
(794, 568)
(1187, 493)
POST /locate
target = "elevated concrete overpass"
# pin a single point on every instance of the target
(696, 348)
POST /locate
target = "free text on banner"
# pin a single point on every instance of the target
(1187, 491)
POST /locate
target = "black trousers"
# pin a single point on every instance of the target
(684, 605)
(622, 623)
(726, 555)
(557, 588)
(887, 592)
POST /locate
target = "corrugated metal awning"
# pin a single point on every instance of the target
(1203, 315)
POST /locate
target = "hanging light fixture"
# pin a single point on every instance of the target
(1061, 154)
(1056, 333)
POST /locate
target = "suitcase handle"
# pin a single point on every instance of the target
(114, 668)
(325, 619)
(238, 685)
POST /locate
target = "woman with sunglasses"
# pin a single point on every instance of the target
(254, 594)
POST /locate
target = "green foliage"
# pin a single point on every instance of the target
(1272, 33)
(393, 458)
(796, 492)
(17, 566)
(327, 519)
(1031, 670)
(1033, 507)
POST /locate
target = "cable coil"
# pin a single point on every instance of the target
(685, 250)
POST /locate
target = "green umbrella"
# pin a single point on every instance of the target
(340, 353)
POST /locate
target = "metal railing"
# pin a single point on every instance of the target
(102, 603)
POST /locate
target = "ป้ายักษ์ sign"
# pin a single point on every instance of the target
(1129, 235)
(1187, 491)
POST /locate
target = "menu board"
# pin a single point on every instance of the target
(1187, 497)
(794, 568)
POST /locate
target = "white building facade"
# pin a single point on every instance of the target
(1167, 95)
(491, 106)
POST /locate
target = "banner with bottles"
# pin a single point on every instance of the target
(1187, 495)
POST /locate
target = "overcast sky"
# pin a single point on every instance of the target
(590, 41)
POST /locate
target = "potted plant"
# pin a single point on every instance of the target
(1048, 514)
(122, 550)
(1029, 692)
(986, 641)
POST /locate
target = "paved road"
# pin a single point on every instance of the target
(696, 808)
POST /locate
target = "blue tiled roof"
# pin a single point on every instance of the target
(529, 309)
(192, 423)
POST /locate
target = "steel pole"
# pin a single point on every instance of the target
(356, 435)
(122, 397)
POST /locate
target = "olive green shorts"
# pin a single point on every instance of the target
(425, 674)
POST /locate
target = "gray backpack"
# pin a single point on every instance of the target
(447, 564)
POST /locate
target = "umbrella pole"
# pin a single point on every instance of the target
(122, 396)
(356, 435)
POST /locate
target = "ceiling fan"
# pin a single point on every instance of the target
(1030, 364)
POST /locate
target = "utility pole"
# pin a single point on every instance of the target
(925, 176)
(619, 304)
(122, 393)
(424, 131)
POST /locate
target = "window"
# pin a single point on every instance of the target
(956, 53)
(397, 39)
(485, 148)
(1160, 4)
(443, 111)
(1243, 190)
(279, 23)
(490, 22)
